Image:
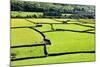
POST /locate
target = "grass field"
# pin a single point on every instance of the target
(28, 52)
(72, 43)
(71, 27)
(87, 20)
(71, 58)
(25, 14)
(26, 38)
(44, 21)
(64, 38)
(20, 23)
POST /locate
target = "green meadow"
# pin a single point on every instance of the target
(73, 36)
(49, 33)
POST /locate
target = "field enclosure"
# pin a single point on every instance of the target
(41, 41)
(48, 33)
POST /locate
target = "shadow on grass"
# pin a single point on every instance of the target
(85, 31)
(88, 30)
(30, 21)
(57, 54)
(85, 25)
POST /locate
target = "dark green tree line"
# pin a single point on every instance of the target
(51, 8)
